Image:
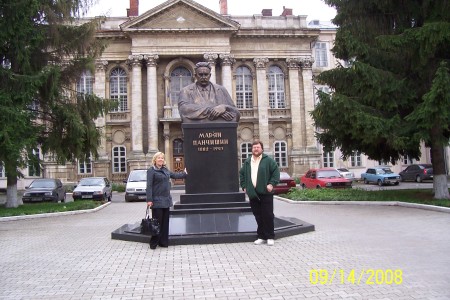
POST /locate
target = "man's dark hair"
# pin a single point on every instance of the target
(202, 64)
(258, 142)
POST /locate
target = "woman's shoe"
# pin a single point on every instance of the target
(153, 247)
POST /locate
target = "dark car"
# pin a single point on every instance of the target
(324, 178)
(417, 172)
(93, 188)
(45, 189)
(285, 184)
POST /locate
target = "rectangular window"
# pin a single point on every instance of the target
(85, 167)
(34, 168)
(119, 159)
(328, 159)
(246, 152)
(355, 159)
(321, 54)
(281, 154)
(2, 170)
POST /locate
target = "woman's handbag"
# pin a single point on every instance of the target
(150, 226)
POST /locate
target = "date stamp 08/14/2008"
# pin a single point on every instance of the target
(363, 276)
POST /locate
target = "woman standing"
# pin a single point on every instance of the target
(159, 198)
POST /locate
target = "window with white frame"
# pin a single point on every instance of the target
(355, 159)
(280, 153)
(246, 151)
(85, 84)
(179, 78)
(321, 88)
(85, 166)
(34, 168)
(2, 170)
(276, 87)
(328, 159)
(118, 88)
(321, 54)
(407, 160)
(244, 88)
(119, 159)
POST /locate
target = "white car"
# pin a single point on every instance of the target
(136, 186)
(93, 188)
(346, 173)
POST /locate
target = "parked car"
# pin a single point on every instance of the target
(45, 189)
(324, 178)
(93, 188)
(285, 184)
(346, 173)
(417, 172)
(381, 175)
(136, 185)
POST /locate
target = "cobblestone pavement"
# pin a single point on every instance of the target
(74, 257)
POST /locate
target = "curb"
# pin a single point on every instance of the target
(55, 214)
(374, 203)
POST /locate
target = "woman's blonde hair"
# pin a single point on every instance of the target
(156, 156)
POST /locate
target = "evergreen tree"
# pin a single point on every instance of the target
(394, 91)
(42, 52)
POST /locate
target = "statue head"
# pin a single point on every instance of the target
(202, 73)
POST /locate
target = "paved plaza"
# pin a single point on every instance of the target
(356, 252)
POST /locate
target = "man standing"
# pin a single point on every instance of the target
(204, 101)
(257, 177)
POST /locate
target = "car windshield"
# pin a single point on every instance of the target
(342, 170)
(284, 176)
(328, 174)
(91, 181)
(384, 171)
(43, 184)
(138, 176)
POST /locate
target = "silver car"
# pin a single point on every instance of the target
(346, 173)
(93, 188)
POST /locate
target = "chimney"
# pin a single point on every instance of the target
(266, 12)
(133, 11)
(223, 7)
(286, 12)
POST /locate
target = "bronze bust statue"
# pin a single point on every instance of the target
(204, 101)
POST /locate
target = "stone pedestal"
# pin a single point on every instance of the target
(211, 161)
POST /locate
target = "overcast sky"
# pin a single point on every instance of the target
(314, 9)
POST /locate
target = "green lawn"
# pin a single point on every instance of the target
(422, 196)
(48, 207)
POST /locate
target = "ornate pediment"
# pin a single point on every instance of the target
(180, 15)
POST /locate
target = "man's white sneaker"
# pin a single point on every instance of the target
(260, 242)
(270, 242)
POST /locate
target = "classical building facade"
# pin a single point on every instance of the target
(266, 62)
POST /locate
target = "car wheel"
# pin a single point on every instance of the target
(318, 187)
(366, 181)
(64, 198)
(304, 186)
(418, 179)
(380, 183)
(109, 198)
(396, 183)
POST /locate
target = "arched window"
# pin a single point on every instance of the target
(276, 87)
(179, 78)
(85, 84)
(280, 153)
(119, 159)
(118, 88)
(178, 147)
(244, 88)
(246, 151)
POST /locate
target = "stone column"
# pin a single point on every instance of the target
(227, 61)
(298, 129)
(166, 136)
(152, 103)
(309, 140)
(136, 105)
(263, 100)
(211, 60)
(100, 91)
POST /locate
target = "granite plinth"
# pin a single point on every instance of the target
(213, 228)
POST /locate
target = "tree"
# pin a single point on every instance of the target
(45, 51)
(395, 91)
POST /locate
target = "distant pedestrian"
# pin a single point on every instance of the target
(257, 177)
(159, 198)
